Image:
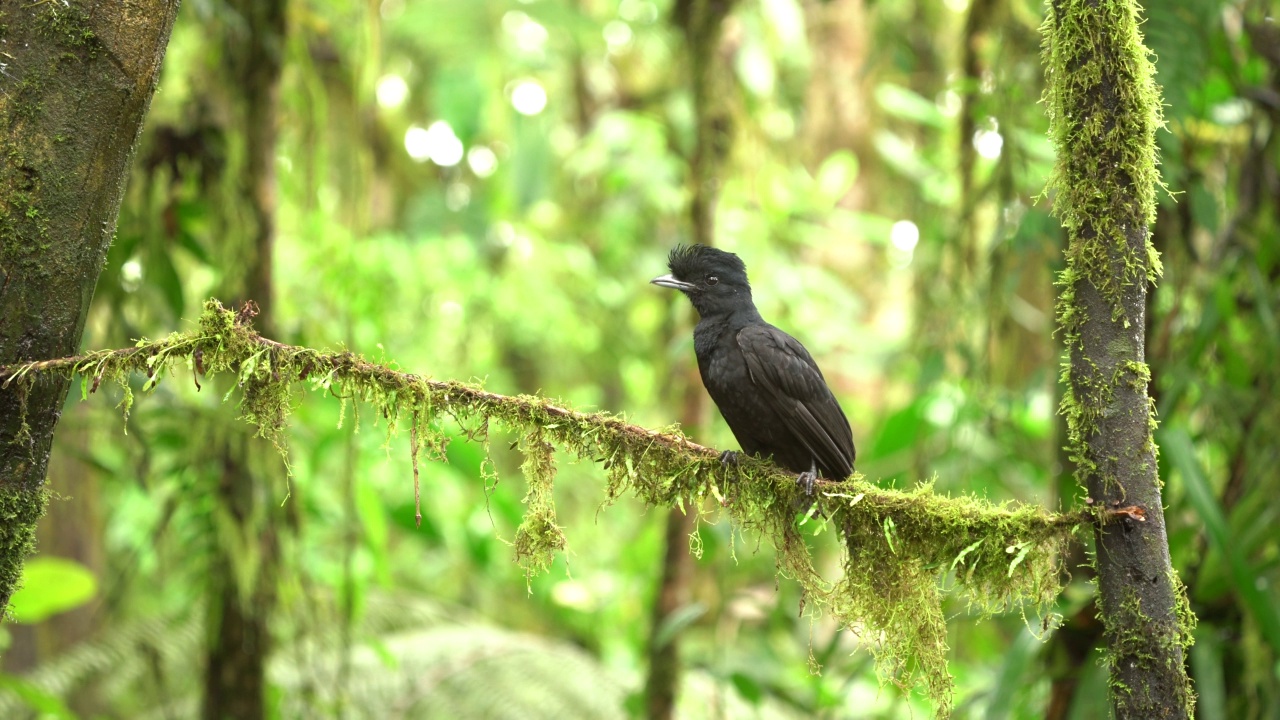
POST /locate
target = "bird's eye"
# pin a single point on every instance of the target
(712, 279)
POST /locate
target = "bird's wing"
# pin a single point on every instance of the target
(793, 385)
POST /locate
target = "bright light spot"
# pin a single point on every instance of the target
(529, 35)
(904, 235)
(417, 143)
(564, 139)
(391, 9)
(987, 82)
(131, 275)
(949, 103)
(988, 143)
(942, 411)
(756, 69)
(545, 214)
(956, 6)
(573, 594)
(638, 11)
(903, 238)
(392, 91)
(778, 124)
(513, 20)
(528, 97)
(1232, 112)
(446, 148)
(457, 196)
(504, 233)
(617, 35)
(482, 160)
(436, 143)
(1040, 407)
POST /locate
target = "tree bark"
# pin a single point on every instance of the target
(1104, 109)
(700, 21)
(241, 604)
(76, 80)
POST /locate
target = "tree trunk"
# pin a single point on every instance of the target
(700, 21)
(241, 603)
(1104, 109)
(75, 83)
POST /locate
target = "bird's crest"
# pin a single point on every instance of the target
(687, 261)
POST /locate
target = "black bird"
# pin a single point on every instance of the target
(766, 385)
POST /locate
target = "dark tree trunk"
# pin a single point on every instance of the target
(75, 83)
(240, 608)
(1104, 108)
(700, 21)
(235, 673)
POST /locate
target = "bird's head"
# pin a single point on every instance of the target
(715, 281)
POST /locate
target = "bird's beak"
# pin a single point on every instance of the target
(669, 281)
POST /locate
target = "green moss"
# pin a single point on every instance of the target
(24, 225)
(69, 25)
(539, 537)
(20, 509)
(1104, 185)
(1104, 109)
(900, 547)
(1133, 644)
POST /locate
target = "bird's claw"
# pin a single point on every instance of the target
(806, 480)
(730, 457)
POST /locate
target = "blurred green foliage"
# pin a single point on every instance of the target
(482, 191)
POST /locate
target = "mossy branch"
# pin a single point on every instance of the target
(902, 547)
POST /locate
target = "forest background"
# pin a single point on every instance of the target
(482, 191)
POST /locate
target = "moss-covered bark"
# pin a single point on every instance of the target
(75, 84)
(1104, 110)
(900, 545)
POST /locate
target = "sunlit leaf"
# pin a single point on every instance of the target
(909, 105)
(52, 585)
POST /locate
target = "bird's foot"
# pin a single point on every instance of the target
(805, 501)
(807, 479)
(730, 457)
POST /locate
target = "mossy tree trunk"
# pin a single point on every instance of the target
(75, 82)
(1104, 109)
(700, 21)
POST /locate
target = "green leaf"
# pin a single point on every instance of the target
(47, 704)
(1021, 549)
(901, 431)
(679, 619)
(909, 105)
(52, 585)
(747, 687)
(1207, 667)
(970, 548)
(837, 174)
(373, 519)
(1013, 671)
(165, 277)
(1179, 448)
